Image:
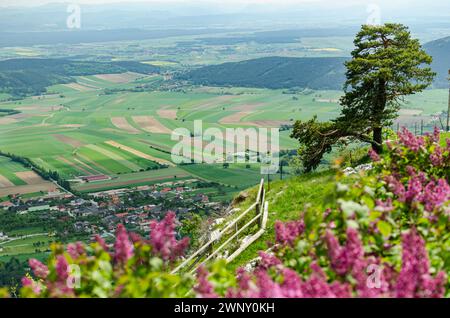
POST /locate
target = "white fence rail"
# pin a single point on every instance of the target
(208, 251)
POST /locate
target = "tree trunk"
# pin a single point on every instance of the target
(380, 105)
(378, 138)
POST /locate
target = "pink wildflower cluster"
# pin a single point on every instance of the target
(370, 278)
(261, 285)
(432, 194)
(268, 260)
(75, 250)
(204, 289)
(408, 139)
(414, 279)
(373, 155)
(123, 247)
(39, 269)
(163, 241)
(287, 233)
(426, 150)
(343, 258)
(437, 157)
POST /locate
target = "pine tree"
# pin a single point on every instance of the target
(386, 65)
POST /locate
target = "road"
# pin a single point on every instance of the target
(22, 237)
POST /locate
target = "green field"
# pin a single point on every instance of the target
(25, 246)
(8, 168)
(67, 129)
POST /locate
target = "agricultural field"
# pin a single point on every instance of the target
(26, 244)
(101, 125)
(16, 179)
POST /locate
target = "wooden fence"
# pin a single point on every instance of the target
(212, 249)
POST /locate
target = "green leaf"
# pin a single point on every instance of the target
(385, 228)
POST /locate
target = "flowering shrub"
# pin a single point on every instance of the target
(134, 267)
(388, 236)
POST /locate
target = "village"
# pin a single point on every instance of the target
(84, 217)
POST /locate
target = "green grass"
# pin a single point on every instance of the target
(25, 245)
(287, 199)
(8, 168)
(42, 256)
(236, 175)
(135, 179)
(444, 137)
(104, 161)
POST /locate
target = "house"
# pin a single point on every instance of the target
(39, 208)
(6, 204)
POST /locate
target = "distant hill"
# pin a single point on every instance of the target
(440, 51)
(274, 73)
(92, 36)
(21, 77)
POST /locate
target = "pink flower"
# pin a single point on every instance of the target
(35, 287)
(435, 194)
(123, 247)
(62, 268)
(343, 258)
(287, 233)
(414, 190)
(268, 260)
(410, 141)
(414, 279)
(75, 250)
(374, 155)
(101, 242)
(396, 187)
(204, 288)
(437, 158)
(39, 269)
(163, 241)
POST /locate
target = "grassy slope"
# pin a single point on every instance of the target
(287, 199)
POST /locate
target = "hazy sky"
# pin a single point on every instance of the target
(397, 3)
(413, 9)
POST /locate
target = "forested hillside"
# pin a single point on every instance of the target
(20, 77)
(274, 73)
(440, 51)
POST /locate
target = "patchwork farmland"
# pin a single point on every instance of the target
(98, 126)
(17, 180)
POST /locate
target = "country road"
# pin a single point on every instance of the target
(22, 237)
